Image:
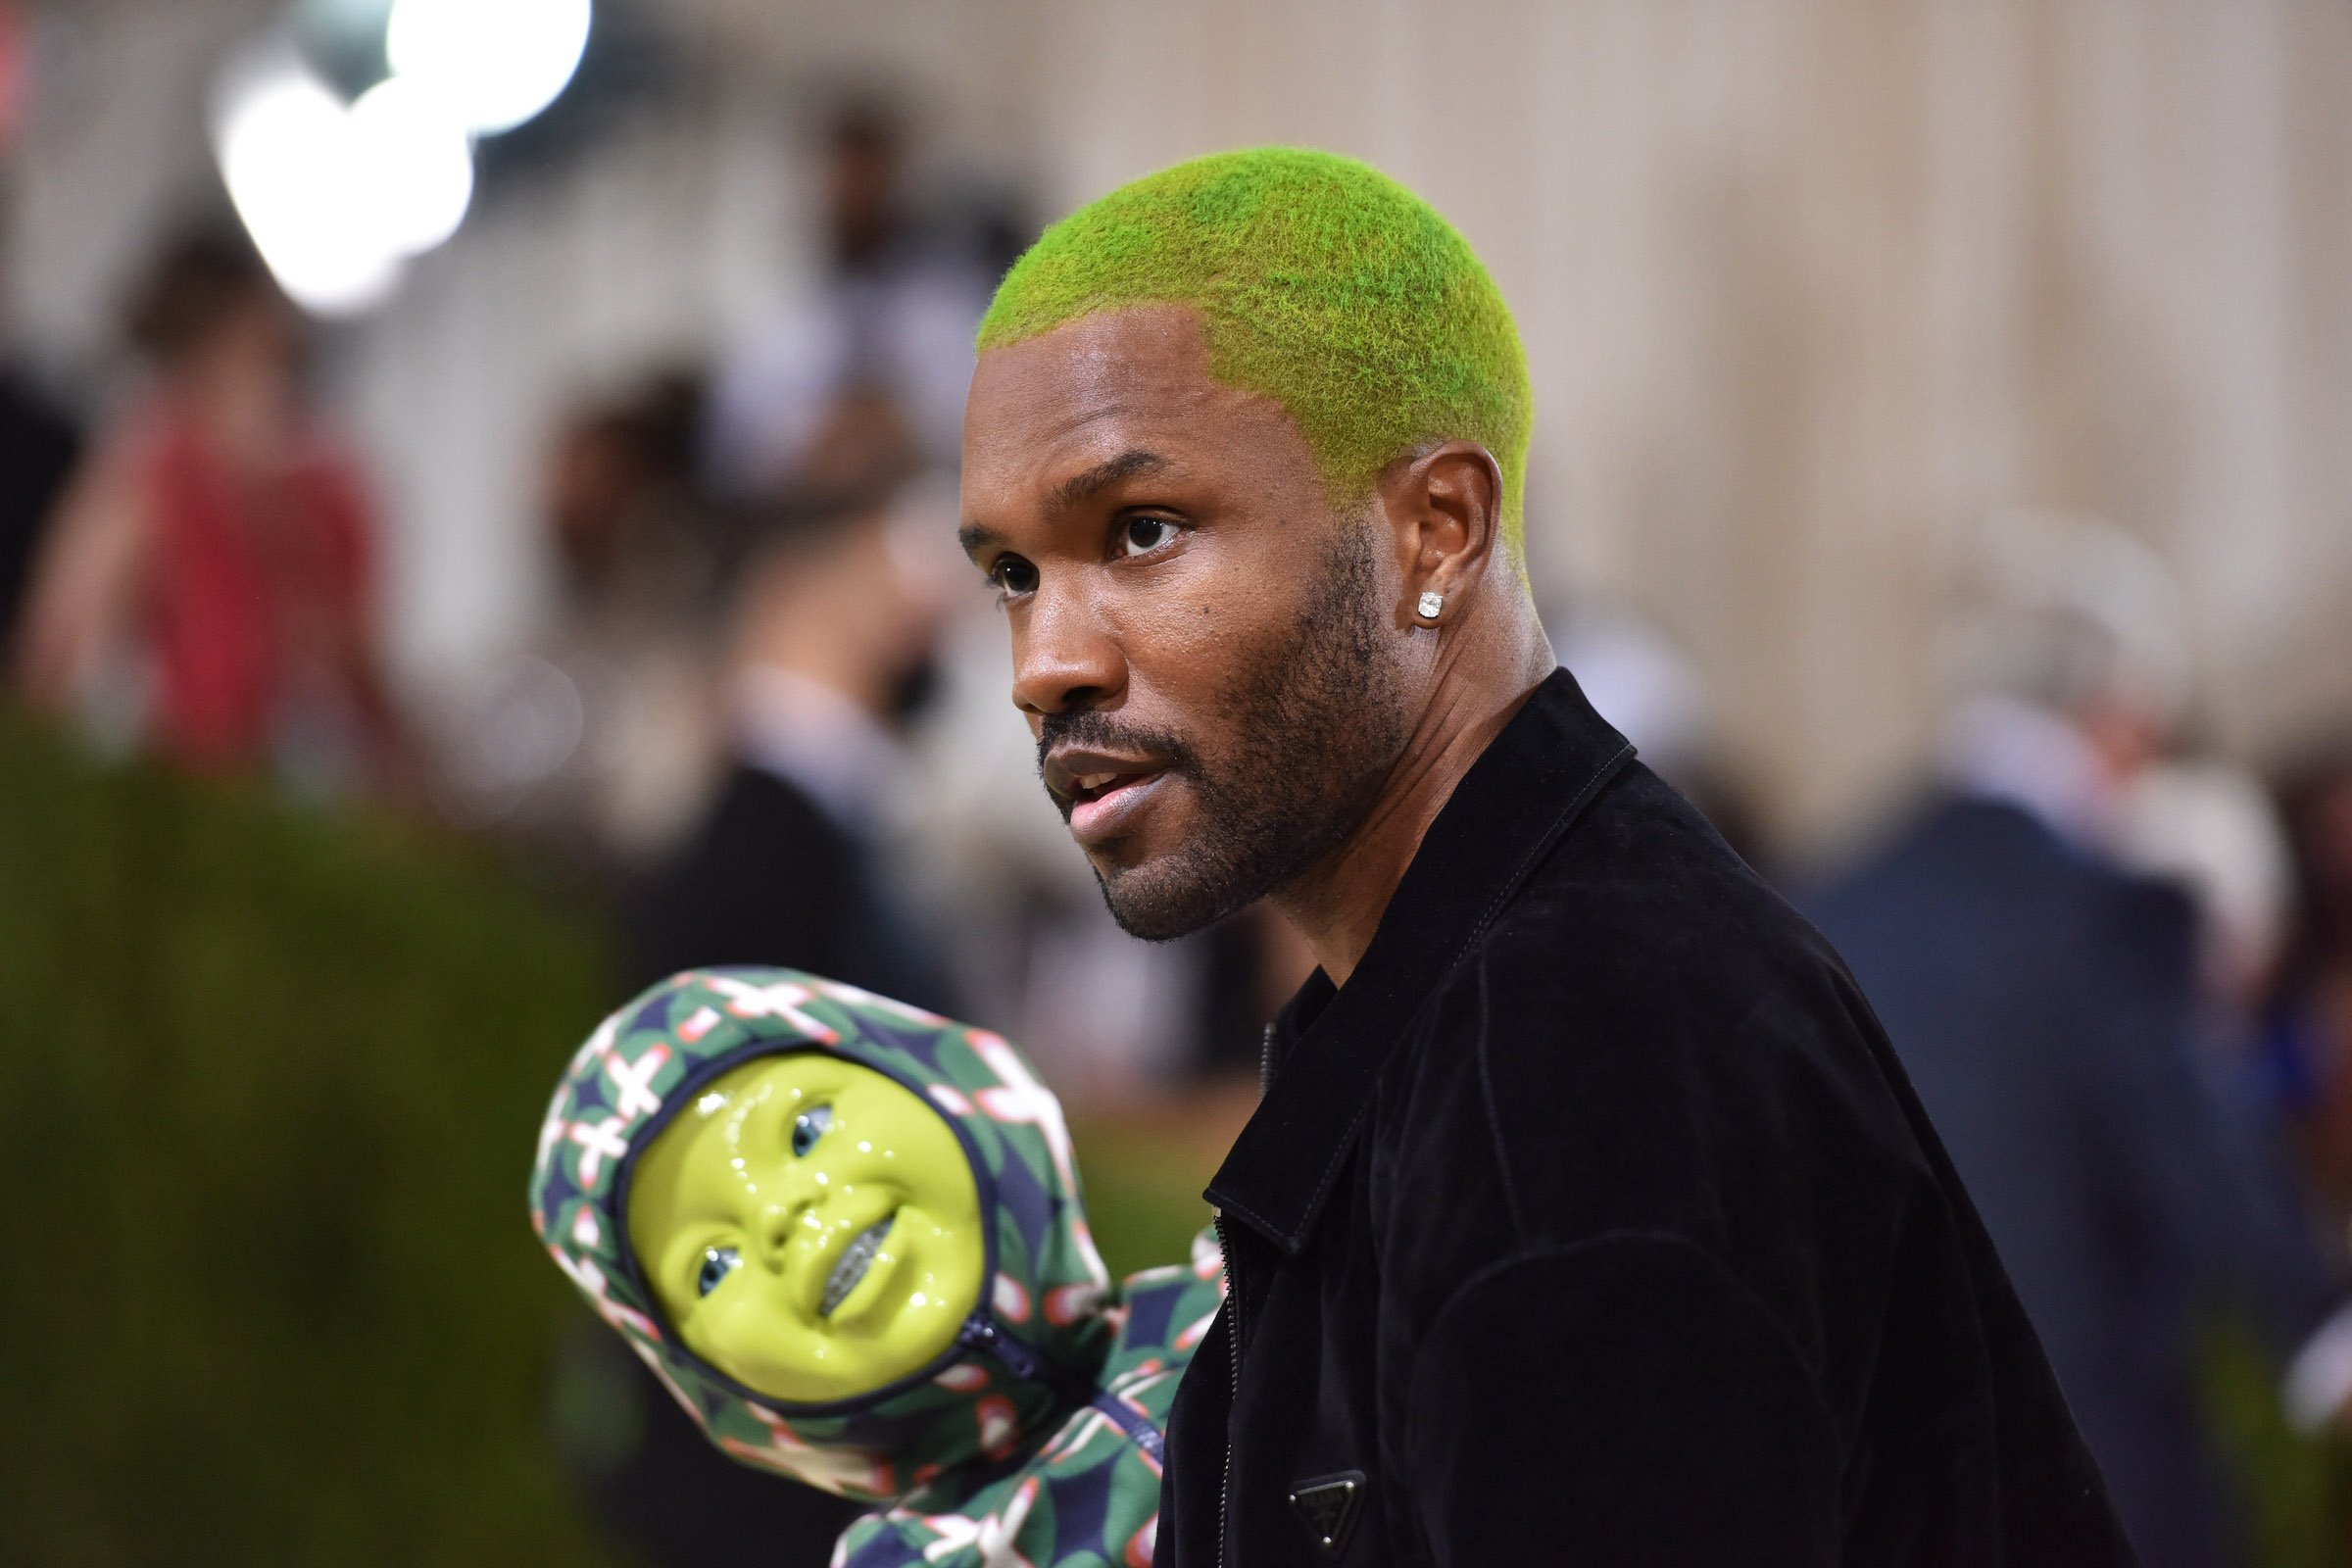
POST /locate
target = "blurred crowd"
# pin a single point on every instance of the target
(764, 721)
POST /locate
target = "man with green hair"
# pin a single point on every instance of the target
(1587, 1215)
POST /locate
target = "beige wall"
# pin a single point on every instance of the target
(1813, 288)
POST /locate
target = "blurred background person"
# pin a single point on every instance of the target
(1644, 682)
(834, 602)
(2050, 1003)
(2206, 823)
(40, 446)
(2306, 1040)
(831, 603)
(209, 584)
(901, 292)
(596, 739)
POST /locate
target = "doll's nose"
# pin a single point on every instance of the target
(775, 1237)
(793, 1214)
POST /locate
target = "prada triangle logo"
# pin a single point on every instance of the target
(1328, 1506)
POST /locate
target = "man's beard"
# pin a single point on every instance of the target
(1316, 723)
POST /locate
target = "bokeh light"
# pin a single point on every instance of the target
(497, 62)
(287, 154)
(414, 158)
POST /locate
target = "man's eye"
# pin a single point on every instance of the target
(1140, 536)
(718, 1263)
(808, 1126)
(1013, 576)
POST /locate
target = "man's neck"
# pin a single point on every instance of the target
(1338, 903)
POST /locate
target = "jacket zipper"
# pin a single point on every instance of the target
(1233, 1360)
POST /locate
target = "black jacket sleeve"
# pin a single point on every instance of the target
(1624, 1402)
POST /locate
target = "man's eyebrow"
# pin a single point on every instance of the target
(1126, 465)
(1071, 492)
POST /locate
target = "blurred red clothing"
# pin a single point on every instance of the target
(259, 596)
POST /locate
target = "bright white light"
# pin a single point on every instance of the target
(285, 146)
(496, 62)
(412, 162)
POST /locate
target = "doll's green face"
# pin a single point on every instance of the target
(810, 1228)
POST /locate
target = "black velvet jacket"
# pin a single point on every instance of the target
(1593, 1222)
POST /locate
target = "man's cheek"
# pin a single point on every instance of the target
(1192, 652)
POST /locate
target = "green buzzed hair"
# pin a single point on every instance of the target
(1322, 284)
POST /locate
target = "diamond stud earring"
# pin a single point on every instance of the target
(1432, 605)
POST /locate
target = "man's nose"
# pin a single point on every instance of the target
(1065, 659)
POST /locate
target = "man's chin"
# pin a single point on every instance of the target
(1149, 903)
(1199, 881)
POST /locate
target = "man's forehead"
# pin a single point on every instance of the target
(1123, 364)
(1056, 406)
(1142, 346)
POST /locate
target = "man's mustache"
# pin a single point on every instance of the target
(1098, 731)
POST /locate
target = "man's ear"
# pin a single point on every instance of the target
(1445, 506)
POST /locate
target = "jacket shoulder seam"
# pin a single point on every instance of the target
(1486, 1087)
(1550, 839)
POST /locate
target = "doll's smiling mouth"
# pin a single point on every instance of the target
(856, 1260)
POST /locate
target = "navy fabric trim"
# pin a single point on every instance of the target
(1136, 1425)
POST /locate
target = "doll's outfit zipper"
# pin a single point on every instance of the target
(980, 1333)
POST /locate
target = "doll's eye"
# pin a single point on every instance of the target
(808, 1126)
(718, 1263)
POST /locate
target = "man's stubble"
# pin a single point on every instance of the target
(1316, 723)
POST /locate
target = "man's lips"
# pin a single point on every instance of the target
(1101, 791)
(1077, 775)
(1099, 813)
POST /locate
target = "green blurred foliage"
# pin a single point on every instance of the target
(266, 1287)
(271, 1076)
(2296, 1488)
(1142, 1193)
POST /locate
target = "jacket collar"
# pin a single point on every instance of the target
(1513, 804)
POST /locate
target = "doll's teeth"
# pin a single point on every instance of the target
(856, 1260)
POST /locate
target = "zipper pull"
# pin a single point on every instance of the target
(979, 1333)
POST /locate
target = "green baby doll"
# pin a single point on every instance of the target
(846, 1235)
